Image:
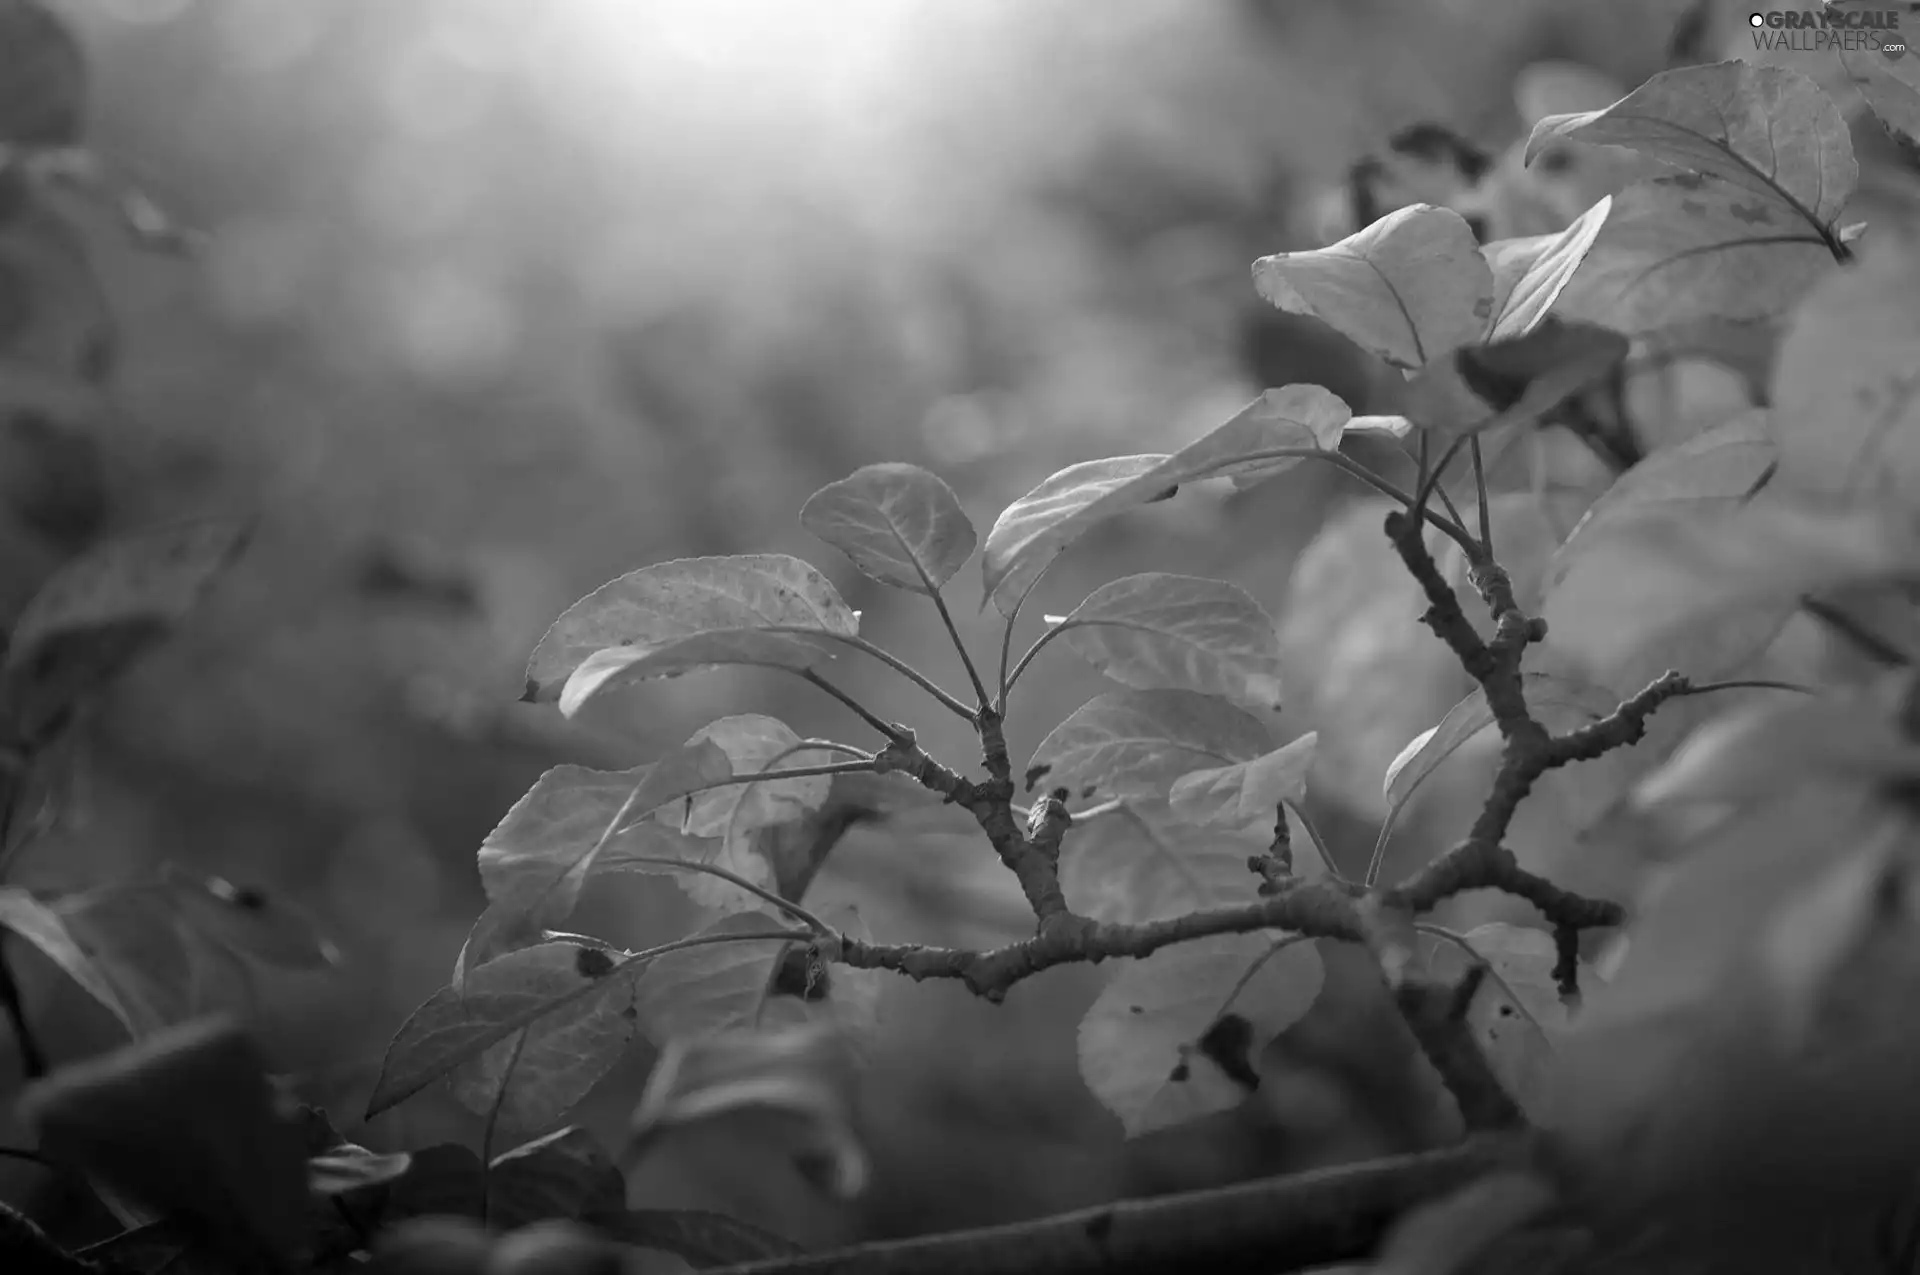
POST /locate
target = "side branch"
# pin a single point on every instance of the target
(1320, 909)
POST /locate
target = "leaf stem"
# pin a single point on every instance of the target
(1319, 842)
(1038, 643)
(493, 1121)
(892, 732)
(761, 892)
(1006, 649)
(1480, 494)
(966, 658)
(1386, 487)
(900, 666)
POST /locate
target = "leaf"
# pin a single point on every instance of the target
(39, 925)
(1178, 1035)
(1548, 695)
(1687, 249)
(1034, 529)
(1158, 631)
(899, 524)
(1529, 274)
(697, 991)
(248, 922)
(134, 940)
(1891, 88)
(535, 863)
(1488, 387)
(1136, 743)
(1144, 864)
(1765, 129)
(1247, 794)
(186, 1122)
(443, 1179)
(619, 666)
(1845, 385)
(564, 1174)
(1769, 747)
(43, 78)
(670, 601)
(1409, 288)
(350, 1168)
(753, 743)
(576, 1001)
(1661, 579)
(105, 608)
(1718, 467)
(793, 1085)
(701, 1240)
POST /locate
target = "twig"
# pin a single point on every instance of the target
(894, 733)
(1437, 1016)
(897, 664)
(794, 910)
(966, 658)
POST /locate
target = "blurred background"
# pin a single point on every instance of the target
(497, 301)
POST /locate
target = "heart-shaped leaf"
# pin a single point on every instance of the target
(1247, 794)
(1136, 743)
(1409, 288)
(1765, 129)
(899, 524)
(1158, 631)
(671, 601)
(1178, 1035)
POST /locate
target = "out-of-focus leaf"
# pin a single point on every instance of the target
(700, 990)
(564, 1174)
(104, 609)
(1409, 288)
(1515, 381)
(1137, 743)
(1159, 631)
(793, 1084)
(351, 1168)
(1845, 388)
(672, 601)
(134, 938)
(1246, 794)
(248, 921)
(185, 1121)
(41, 926)
(43, 78)
(899, 524)
(1178, 1035)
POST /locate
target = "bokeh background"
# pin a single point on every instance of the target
(498, 300)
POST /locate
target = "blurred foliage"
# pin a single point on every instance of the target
(497, 301)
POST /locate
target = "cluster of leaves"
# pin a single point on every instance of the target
(1163, 824)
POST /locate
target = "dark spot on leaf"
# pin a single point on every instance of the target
(1482, 306)
(1229, 1044)
(249, 899)
(1136, 1009)
(1557, 159)
(1087, 791)
(1035, 774)
(1754, 214)
(591, 962)
(1506, 1011)
(1168, 494)
(1685, 181)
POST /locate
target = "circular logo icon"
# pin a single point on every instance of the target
(1756, 19)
